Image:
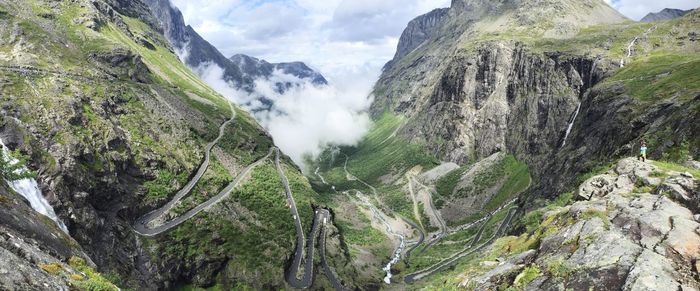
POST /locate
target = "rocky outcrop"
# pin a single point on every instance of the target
(621, 237)
(30, 244)
(666, 14)
(419, 30)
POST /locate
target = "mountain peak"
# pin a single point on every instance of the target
(665, 14)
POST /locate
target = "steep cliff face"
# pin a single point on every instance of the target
(535, 78)
(195, 50)
(419, 30)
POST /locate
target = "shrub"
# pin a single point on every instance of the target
(559, 268)
(527, 275)
(94, 280)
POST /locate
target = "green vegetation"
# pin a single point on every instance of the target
(133, 107)
(245, 140)
(94, 281)
(52, 268)
(518, 180)
(367, 236)
(677, 154)
(218, 287)
(528, 275)
(661, 75)
(670, 166)
(215, 179)
(507, 178)
(559, 268)
(378, 154)
(260, 207)
(396, 200)
(445, 186)
(165, 185)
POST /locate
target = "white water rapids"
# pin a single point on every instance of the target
(29, 189)
(397, 257)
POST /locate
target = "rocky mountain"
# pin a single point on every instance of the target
(665, 14)
(254, 68)
(503, 77)
(161, 182)
(419, 30)
(240, 70)
(492, 113)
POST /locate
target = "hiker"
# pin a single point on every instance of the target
(643, 152)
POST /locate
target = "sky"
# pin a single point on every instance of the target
(348, 41)
(336, 37)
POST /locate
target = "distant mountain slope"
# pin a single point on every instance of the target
(240, 71)
(666, 14)
(255, 68)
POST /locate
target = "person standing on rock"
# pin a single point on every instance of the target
(643, 152)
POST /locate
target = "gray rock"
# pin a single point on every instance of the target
(598, 186)
(651, 272)
(692, 164)
(682, 189)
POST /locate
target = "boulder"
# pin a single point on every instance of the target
(651, 272)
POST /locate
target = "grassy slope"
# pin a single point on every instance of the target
(378, 154)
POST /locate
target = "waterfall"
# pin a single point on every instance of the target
(571, 124)
(29, 189)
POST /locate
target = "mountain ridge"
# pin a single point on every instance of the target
(665, 14)
(239, 72)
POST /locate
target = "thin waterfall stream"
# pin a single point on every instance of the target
(571, 124)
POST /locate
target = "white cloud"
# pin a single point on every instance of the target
(307, 118)
(636, 9)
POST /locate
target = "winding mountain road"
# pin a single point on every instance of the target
(141, 225)
(320, 219)
(441, 222)
(467, 251)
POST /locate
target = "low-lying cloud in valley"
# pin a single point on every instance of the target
(306, 118)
